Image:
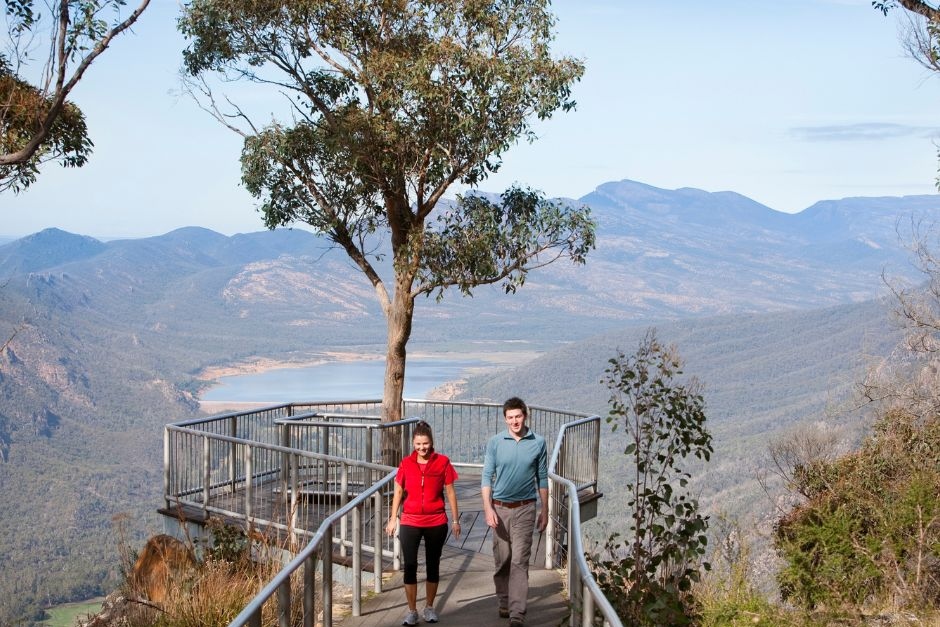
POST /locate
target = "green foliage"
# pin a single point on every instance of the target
(385, 87)
(481, 241)
(229, 542)
(37, 123)
(884, 6)
(396, 100)
(869, 533)
(21, 119)
(649, 574)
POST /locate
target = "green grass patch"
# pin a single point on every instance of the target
(67, 614)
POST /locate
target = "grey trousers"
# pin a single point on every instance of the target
(512, 547)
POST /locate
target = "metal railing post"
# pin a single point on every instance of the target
(572, 571)
(377, 560)
(403, 437)
(550, 529)
(327, 578)
(206, 475)
(167, 466)
(357, 561)
(284, 429)
(310, 578)
(587, 604)
(233, 454)
(283, 604)
(343, 499)
(294, 472)
(248, 484)
(595, 468)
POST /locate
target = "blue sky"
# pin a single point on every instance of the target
(786, 102)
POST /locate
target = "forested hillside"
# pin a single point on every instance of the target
(763, 376)
(104, 342)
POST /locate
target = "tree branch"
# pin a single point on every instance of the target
(63, 88)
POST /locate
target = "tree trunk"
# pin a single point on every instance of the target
(399, 330)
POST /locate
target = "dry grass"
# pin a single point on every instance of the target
(213, 595)
(221, 585)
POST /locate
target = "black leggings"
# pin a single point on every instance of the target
(434, 538)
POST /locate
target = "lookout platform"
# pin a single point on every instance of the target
(319, 476)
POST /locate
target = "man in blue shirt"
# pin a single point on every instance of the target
(515, 468)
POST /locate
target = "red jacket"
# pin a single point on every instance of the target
(423, 484)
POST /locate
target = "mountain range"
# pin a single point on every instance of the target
(106, 341)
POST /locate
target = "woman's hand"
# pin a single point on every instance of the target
(390, 526)
(455, 527)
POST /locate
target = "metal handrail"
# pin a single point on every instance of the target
(280, 583)
(277, 448)
(231, 414)
(591, 597)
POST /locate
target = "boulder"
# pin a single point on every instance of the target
(163, 559)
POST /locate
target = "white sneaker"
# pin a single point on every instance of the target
(430, 616)
(411, 618)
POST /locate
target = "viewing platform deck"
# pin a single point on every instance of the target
(315, 481)
(466, 597)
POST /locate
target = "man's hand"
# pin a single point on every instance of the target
(542, 521)
(491, 519)
(543, 510)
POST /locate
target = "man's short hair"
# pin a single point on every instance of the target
(515, 403)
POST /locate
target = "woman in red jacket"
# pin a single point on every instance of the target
(424, 477)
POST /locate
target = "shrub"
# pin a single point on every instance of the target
(648, 573)
(869, 533)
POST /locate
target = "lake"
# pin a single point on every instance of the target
(337, 380)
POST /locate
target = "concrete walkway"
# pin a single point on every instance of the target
(466, 597)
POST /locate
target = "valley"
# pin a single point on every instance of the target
(777, 314)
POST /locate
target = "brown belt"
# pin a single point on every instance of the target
(512, 504)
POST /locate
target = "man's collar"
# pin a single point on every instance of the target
(525, 436)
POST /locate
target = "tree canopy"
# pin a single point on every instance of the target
(37, 122)
(387, 105)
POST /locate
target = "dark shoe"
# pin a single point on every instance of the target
(503, 612)
(516, 622)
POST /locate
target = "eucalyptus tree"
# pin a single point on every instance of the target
(648, 572)
(50, 46)
(922, 40)
(391, 104)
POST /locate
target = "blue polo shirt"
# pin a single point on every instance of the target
(515, 470)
